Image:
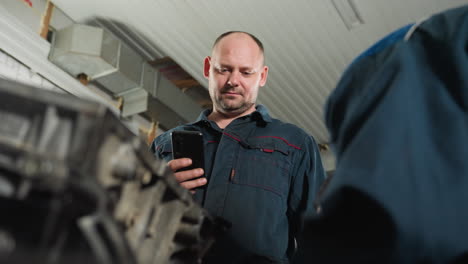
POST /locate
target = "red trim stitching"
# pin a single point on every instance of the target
(236, 139)
(285, 141)
(268, 150)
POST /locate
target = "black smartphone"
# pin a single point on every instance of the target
(188, 144)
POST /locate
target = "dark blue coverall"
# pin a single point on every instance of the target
(398, 121)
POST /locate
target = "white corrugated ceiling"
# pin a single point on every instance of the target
(307, 44)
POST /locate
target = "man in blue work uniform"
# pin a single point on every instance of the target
(261, 174)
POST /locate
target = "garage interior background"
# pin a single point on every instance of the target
(308, 45)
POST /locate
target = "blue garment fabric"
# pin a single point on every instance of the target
(262, 175)
(399, 126)
(385, 42)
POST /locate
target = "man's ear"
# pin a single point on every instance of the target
(263, 76)
(206, 67)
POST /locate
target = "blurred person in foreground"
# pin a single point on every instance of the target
(398, 121)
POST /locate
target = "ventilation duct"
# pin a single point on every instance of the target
(110, 63)
(83, 49)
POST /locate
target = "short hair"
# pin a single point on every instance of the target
(259, 43)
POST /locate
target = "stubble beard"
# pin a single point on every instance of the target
(230, 106)
(233, 108)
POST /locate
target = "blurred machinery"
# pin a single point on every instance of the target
(76, 186)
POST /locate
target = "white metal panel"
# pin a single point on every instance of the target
(11, 69)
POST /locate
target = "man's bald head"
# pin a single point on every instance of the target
(257, 41)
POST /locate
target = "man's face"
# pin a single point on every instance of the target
(235, 72)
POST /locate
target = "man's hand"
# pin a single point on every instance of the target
(186, 178)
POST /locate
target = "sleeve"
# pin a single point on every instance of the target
(161, 147)
(308, 175)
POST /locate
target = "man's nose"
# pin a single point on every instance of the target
(234, 79)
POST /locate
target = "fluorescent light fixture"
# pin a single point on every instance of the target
(348, 13)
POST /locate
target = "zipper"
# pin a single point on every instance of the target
(317, 201)
(231, 176)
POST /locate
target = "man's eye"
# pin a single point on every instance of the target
(247, 73)
(223, 70)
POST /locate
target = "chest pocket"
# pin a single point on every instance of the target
(264, 163)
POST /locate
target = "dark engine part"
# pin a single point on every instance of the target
(76, 186)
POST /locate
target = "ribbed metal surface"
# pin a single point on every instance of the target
(307, 44)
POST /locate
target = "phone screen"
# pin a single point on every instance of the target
(188, 144)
